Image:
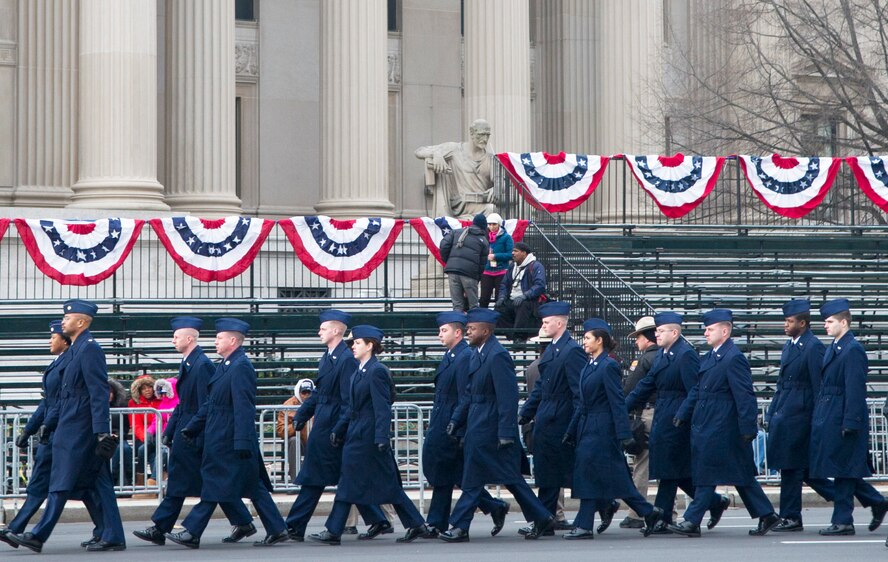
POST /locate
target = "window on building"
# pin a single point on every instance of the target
(667, 134)
(394, 15)
(819, 135)
(303, 293)
(243, 10)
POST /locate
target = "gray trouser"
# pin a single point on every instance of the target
(463, 291)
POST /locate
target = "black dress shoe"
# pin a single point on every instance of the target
(352, 530)
(273, 539)
(90, 542)
(716, 513)
(27, 540)
(184, 538)
(661, 528)
(579, 534)
(326, 537)
(152, 534)
(454, 535)
(651, 519)
(685, 528)
(631, 523)
(240, 531)
(540, 528)
(4, 538)
(837, 531)
(295, 535)
(104, 546)
(607, 516)
(414, 533)
(523, 531)
(433, 533)
(499, 518)
(375, 530)
(789, 526)
(766, 523)
(563, 525)
(879, 512)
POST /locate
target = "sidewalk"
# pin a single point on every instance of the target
(141, 509)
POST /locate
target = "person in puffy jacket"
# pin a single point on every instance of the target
(285, 428)
(144, 424)
(498, 258)
(465, 252)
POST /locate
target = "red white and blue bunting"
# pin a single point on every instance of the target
(516, 228)
(4, 224)
(872, 177)
(341, 250)
(433, 230)
(79, 252)
(212, 249)
(554, 182)
(791, 187)
(678, 183)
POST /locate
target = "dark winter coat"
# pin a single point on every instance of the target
(469, 257)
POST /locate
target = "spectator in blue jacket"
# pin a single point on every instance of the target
(501, 245)
(520, 291)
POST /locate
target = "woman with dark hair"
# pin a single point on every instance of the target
(598, 429)
(369, 475)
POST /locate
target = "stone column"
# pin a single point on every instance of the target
(200, 78)
(47, 108)
(497, 39)
(118, 107)
(354, 109)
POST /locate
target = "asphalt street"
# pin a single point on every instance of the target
(727, 542)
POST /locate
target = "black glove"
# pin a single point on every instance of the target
(106, 444)
(22, 440)
(166, 440)
(335, 440)
(677, 422)
(43, 435)
(299, 425)
(748, 438)
(503, 443)
(518, 300)
(244, 453)
(524, 421)
(451, 431)
(628, 444)
(382, 447)
(188, 436)
(848, 432)
(568, 440)
(765, 425)
(460, 442)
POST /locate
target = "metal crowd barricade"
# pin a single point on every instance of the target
(280, 459)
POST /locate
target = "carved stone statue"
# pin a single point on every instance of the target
(458, 174)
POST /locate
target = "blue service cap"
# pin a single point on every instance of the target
(80, 306)
(482, 315)
(796, 306)
(451, 317)
(663, 318)
(834, 306)
(596, 324)
(717, 315)
(554, 308)
(334, 315)
(180, 322)
(55, 327)
(366, 331)
(232, 325)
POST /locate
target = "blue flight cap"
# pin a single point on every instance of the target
(596, 324)
(180, 322)
(80, 306)
(334, 315)
(366, 331)
(834, 306)
(482, 315)
(795, 307)
(232, 325)
(55, 327)
(554, 308)
(663, 318)
(451, 317)
(717, 315)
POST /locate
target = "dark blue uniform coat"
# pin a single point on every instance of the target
(369, 476)
(83, 413)
(442, 458)
(47, 414)
(490, 413)
(323, 462)
(841, 404)
(195, 372)
(789, 415)
(598, 426)
(551, 404)
(228, 420)
(672, 375)
(722, 408)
